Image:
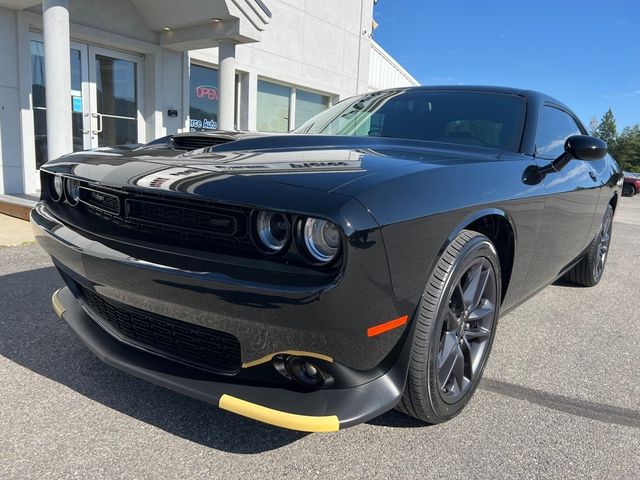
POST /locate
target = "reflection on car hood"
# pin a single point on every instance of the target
(310, 161)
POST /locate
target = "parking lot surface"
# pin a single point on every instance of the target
(560, 399)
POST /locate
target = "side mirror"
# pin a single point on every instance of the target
(582, 147)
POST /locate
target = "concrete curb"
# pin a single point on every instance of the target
(17, 206)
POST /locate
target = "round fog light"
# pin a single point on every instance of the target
(72, 191)
(310, 370)
(304, 372)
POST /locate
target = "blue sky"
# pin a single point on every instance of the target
(584, 53)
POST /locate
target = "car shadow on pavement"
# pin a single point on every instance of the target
(395, 419)
(561, 282)
(33, 337)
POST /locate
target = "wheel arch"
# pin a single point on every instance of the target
(499, 227)
(614, 201)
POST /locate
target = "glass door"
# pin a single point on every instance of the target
(114, 114)
(78, 100)
(106, 100)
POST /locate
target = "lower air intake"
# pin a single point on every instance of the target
(204, 348)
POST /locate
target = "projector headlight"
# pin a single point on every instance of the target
(72, 191)
(322, 239)
(273, 230)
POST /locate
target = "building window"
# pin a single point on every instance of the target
(203, 98)
(273, 107)
(39, 101)
(308, 105)
(274, 112)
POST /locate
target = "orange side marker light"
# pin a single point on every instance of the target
(385, 327)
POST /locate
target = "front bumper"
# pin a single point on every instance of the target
(327, 324)
(291, 313)
(310, 411)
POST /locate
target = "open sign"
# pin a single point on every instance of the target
(207, 91)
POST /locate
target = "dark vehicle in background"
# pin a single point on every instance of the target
(631, 184)
(318, 279)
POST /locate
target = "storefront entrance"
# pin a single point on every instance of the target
(105, 98)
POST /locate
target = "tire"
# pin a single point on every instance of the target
(628, 190)
(589, 271)
(447, 324)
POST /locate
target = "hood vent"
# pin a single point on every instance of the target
(194, 142)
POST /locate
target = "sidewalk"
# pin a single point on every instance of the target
(630, 214)
(14, 231)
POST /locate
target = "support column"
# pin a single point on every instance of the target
(248, 101)
(57, 78)
(227, 84)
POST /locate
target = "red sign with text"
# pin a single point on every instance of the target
(207, 91)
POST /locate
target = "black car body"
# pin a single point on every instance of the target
(166, 279)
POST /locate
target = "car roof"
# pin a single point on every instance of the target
(537, 97)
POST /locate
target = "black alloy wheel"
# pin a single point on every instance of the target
(588, 272)
(602, 246)
(628, 190)
(466, 330)
(454, 329)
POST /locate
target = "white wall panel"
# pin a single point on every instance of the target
(385, 72)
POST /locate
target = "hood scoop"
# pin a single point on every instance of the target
(197, 141)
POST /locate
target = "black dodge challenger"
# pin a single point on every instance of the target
(318, 279)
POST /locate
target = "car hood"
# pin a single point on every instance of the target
(325, 163)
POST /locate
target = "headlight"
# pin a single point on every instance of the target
(72, 191)
(273, 230)
(55, 187)
(322, 239)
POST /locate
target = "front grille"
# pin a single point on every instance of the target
(102, 200)
(206, 223)
(204, 348)
(180, 216)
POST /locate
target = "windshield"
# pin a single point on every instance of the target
(463, 117)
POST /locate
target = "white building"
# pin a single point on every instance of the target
(128, 71)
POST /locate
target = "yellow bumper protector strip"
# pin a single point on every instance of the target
(57, 304)
(292, 421)
(298, 353)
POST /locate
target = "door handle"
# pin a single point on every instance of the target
(593, 175)
(98, 117)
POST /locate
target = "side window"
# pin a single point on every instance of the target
(553, 129)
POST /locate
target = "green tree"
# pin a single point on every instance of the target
(628, 148)
(607, 131)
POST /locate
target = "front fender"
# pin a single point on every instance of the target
(422, 212)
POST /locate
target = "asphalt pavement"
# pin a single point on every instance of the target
(560, 399)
